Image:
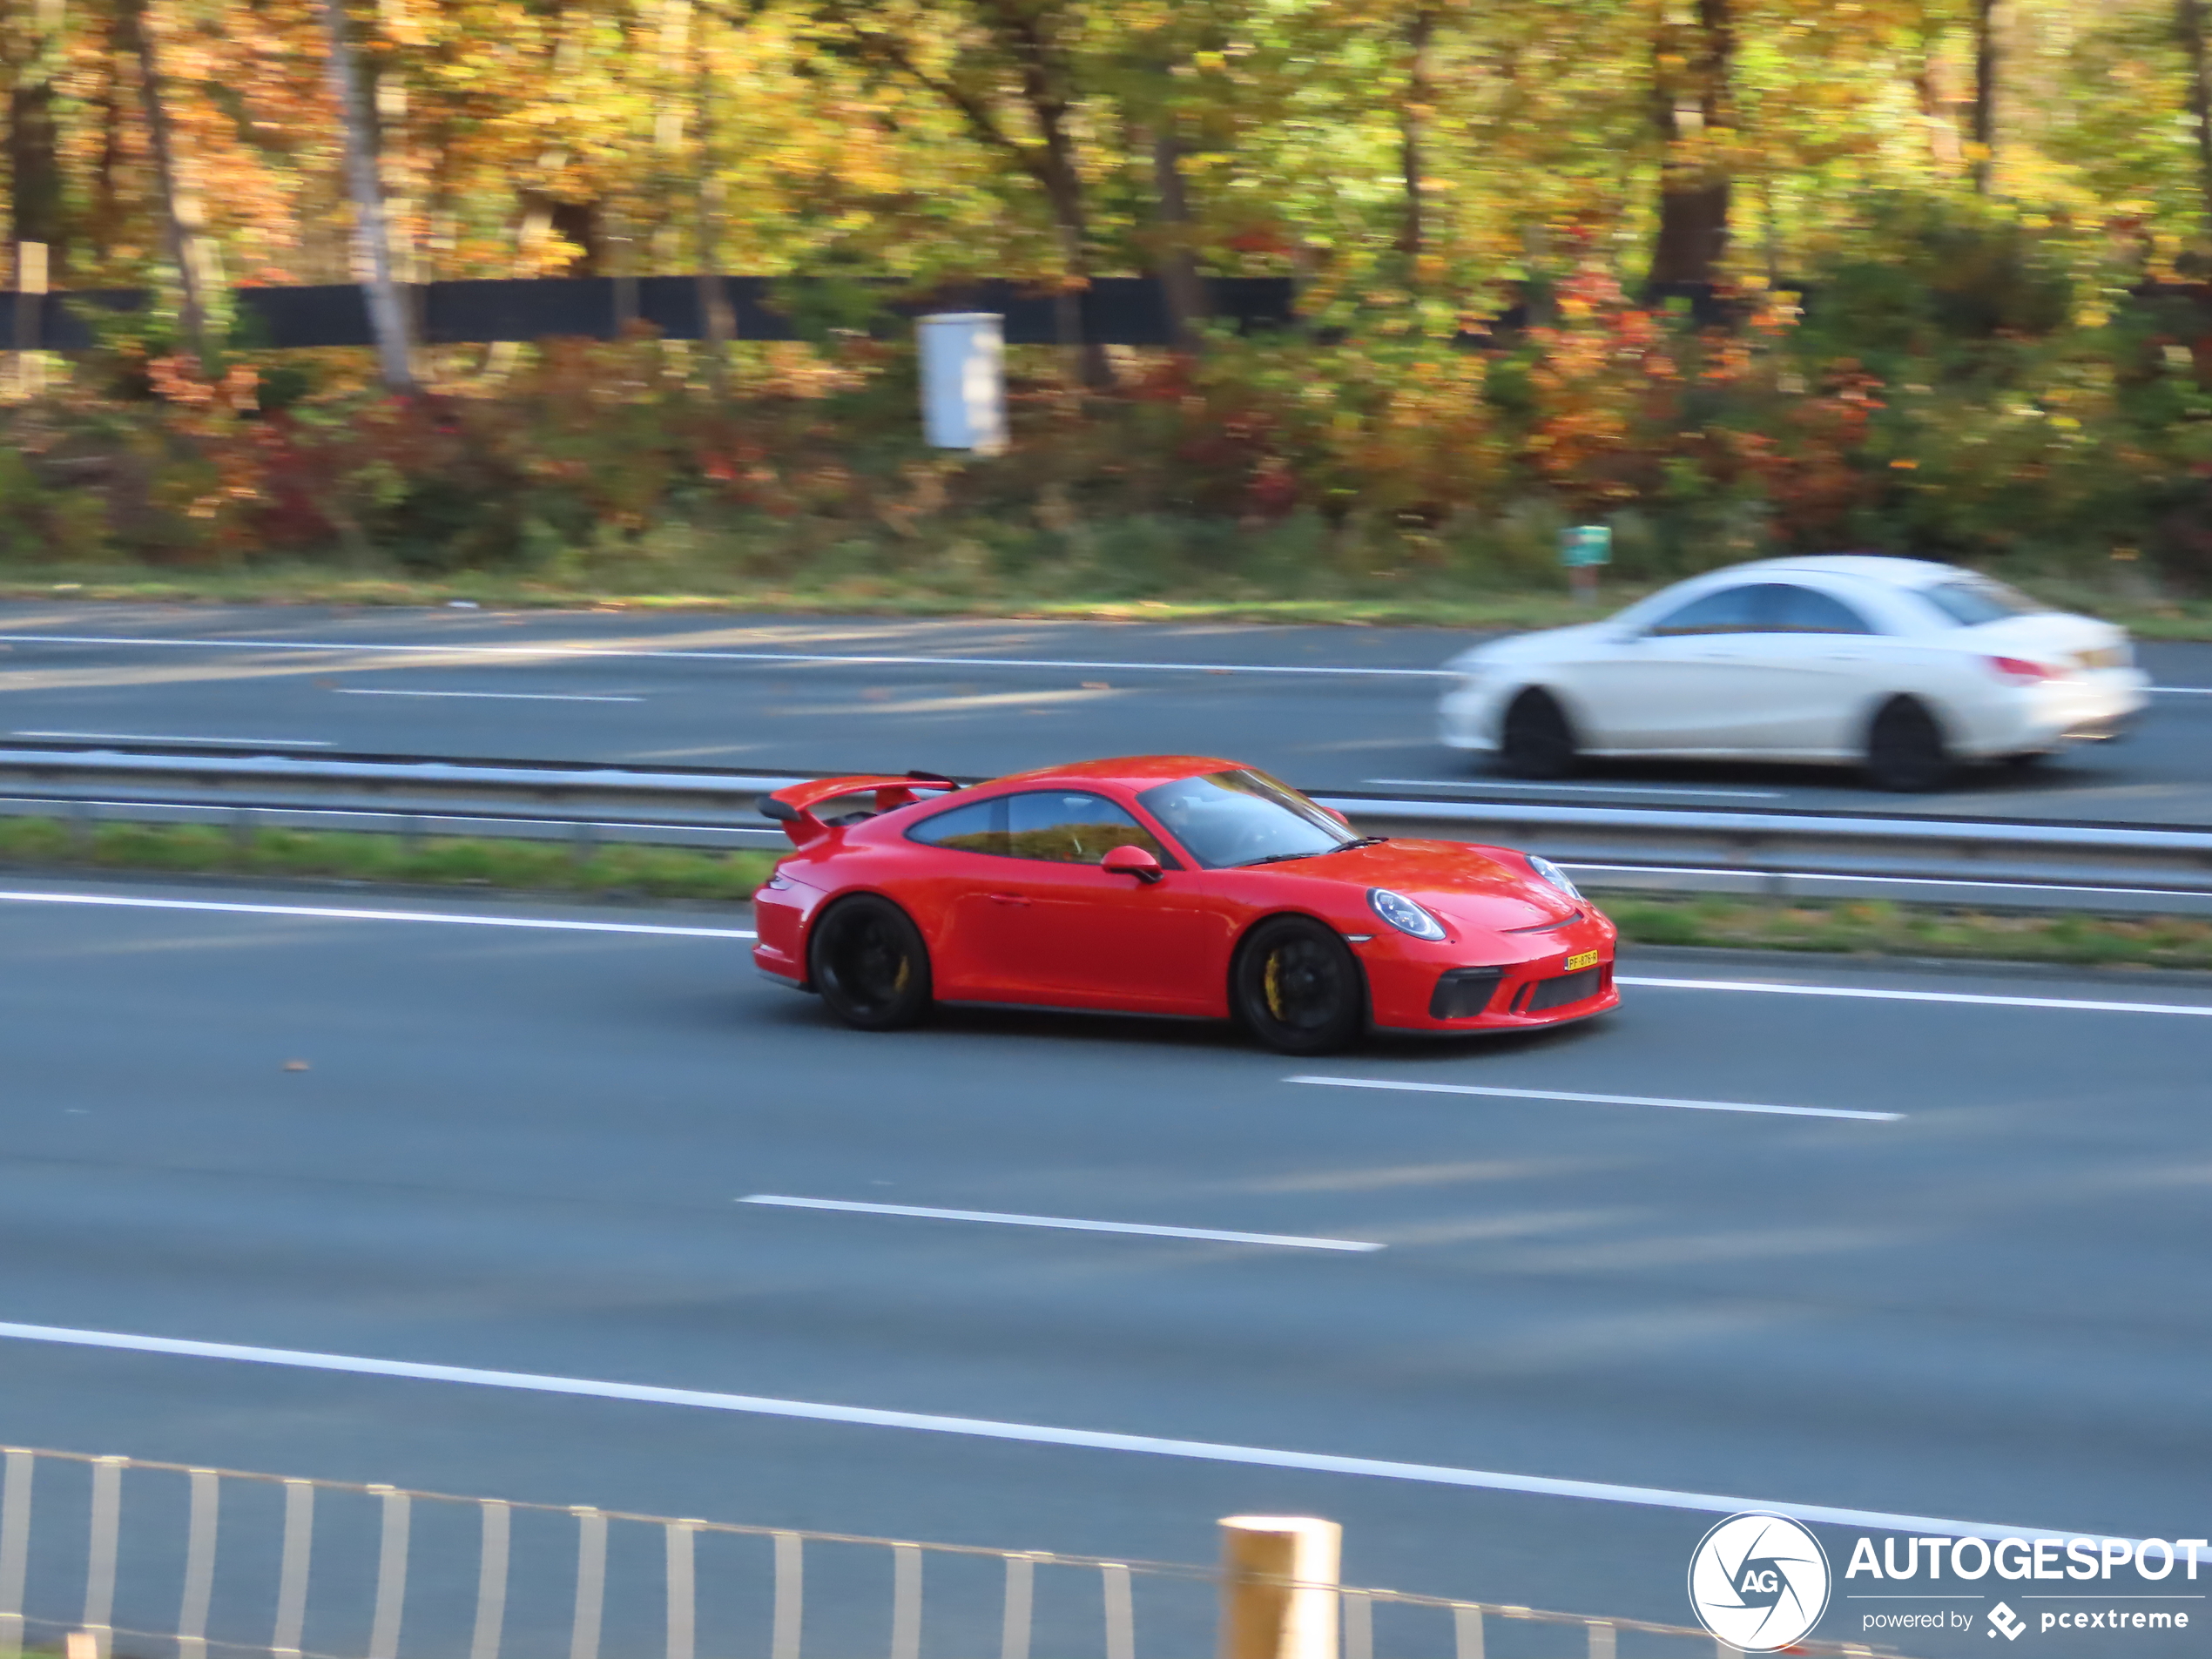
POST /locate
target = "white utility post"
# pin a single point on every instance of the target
(963, 381)
(1278, 1578)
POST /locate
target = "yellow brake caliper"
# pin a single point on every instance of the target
(1272, 982)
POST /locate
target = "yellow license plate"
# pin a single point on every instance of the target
(1581, 959)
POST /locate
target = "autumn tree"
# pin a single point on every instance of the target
(1694, 51)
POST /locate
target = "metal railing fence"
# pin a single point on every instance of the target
(128, 1555)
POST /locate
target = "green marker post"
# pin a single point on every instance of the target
(1582, 549)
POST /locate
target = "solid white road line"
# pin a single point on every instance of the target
(1036, 1434)
(2076, 1004)
(1599, 1100)
(1583, 789)
(711, 656)
(1289, 1240)
(333, 914)
(499, 696)
(221, 743)
(2184, 691)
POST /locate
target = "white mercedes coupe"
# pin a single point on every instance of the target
(1904, 667)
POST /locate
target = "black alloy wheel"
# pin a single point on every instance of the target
(1535, 740)
(1905, 752)
(867, 959)
(1296, 987)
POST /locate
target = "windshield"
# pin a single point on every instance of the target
(1972, 601)
(1226, 818)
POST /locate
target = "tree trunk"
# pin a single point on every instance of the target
(1937, 104)
(718, 320)
(1044, 91)
(1986, 67)
(34, 159)
(182, 222)
(1693, 106)
(1412, 126)
(2192, 21)
(1087, 360)
(1181, 287)
(104, 223)
(387, 319)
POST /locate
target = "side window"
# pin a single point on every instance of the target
(1066, 827)
(1807, 611)
(1731, 610)
(980, 827)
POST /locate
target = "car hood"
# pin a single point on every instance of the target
(1476, 886)
(1546, 643)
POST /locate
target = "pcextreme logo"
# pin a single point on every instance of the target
(1759, 1582)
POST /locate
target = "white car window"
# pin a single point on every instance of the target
(1731, 610)
(1808, 610)
(1971, 600)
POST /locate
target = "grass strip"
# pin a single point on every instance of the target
(1880, 928)
(523, 867)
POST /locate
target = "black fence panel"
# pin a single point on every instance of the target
(1116, 311)
(59, 327)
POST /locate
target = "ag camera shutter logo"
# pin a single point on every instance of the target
(1759, 1582)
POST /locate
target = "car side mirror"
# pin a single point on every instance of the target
(1132, 861)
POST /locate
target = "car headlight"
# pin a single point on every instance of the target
(1403, 914)
(1551, 873)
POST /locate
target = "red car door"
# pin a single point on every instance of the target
(1055, 929)
(952, 892)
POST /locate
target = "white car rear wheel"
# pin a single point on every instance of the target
(1905, 751)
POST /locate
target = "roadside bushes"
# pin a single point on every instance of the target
(1948, 391)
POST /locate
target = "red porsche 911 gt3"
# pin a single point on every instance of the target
(1165, 884)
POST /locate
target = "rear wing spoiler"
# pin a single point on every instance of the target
(795, 807)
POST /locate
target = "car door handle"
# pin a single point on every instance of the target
(1006, 899)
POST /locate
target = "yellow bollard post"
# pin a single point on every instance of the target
(1279, 1578)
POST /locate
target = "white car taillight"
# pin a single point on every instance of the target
(2020, 672)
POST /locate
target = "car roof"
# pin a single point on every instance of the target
(1137, 772)
(1872, 567)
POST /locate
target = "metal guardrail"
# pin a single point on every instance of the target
(219, 1560)
(1985, 862)
(1998, 863)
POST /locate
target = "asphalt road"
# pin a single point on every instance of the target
(1346, 709)
(520, 1149)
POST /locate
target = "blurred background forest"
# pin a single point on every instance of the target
(1731, 276)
